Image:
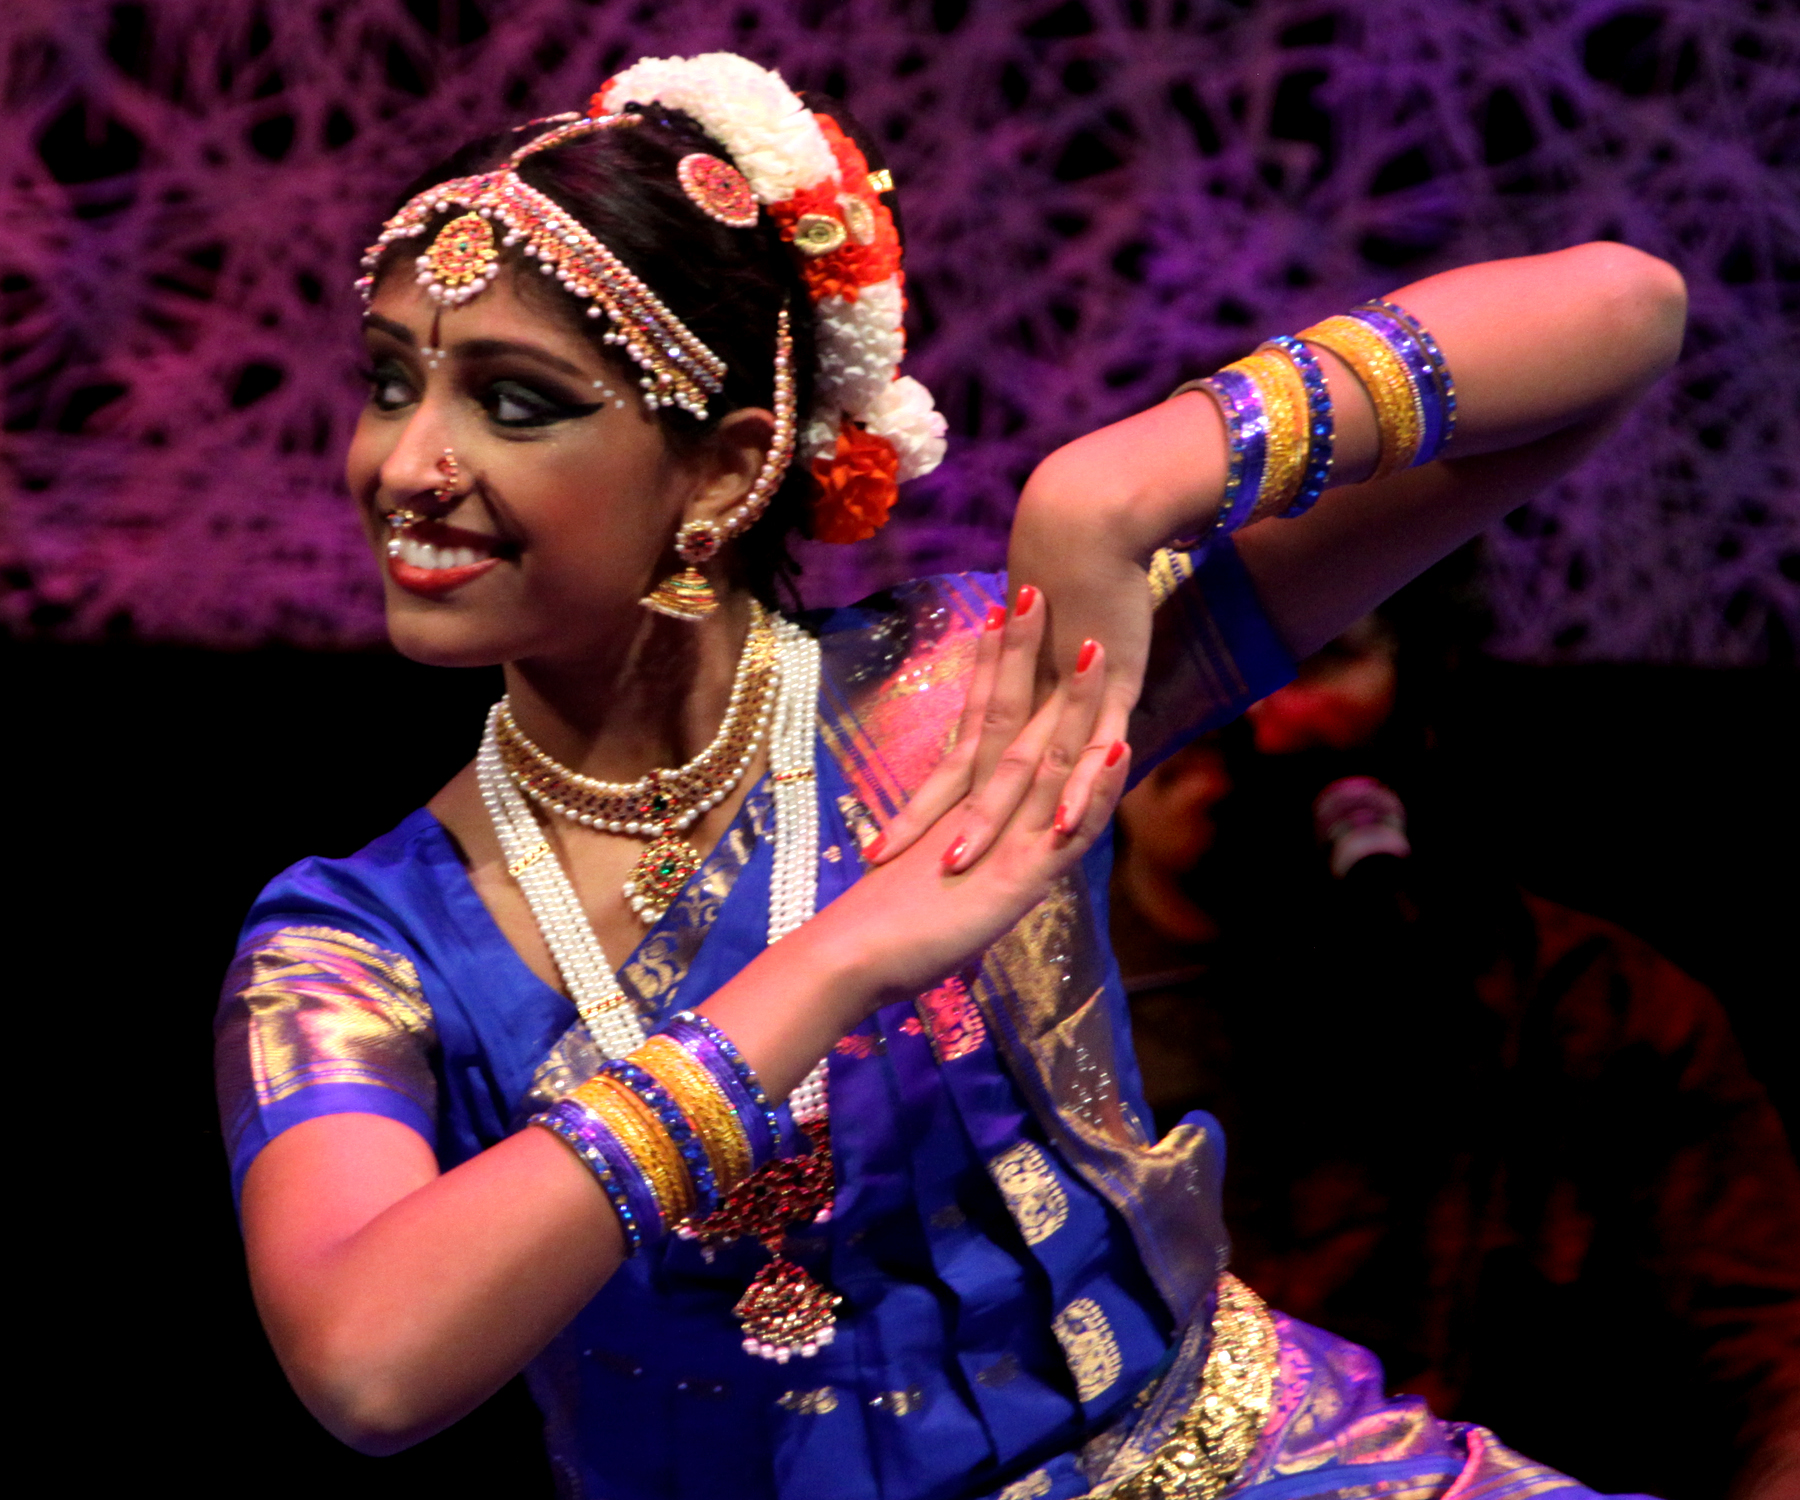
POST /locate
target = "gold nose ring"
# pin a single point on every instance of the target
(452, 471)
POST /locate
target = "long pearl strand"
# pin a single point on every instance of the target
(611, 1019)
(794, 883)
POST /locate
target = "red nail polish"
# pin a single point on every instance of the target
(954, 852)
(1086, 659)
(1027, 598)
(876, 845)
(996, 617)
(1112, 755)
(1061, 825)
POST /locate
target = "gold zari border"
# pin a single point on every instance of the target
(1214, 1441)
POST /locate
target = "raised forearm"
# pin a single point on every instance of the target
(1547, 351)
(1537, 345)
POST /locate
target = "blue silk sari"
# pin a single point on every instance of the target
(1036, 1302)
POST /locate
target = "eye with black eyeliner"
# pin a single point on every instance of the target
(514, 403)
(390, 387)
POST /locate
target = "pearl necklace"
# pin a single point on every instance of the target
(661, 805)
(611, 1018)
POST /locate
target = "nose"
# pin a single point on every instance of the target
(422, 472)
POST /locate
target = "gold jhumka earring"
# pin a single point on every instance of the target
(688, 594)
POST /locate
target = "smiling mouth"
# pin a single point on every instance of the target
(427, 557)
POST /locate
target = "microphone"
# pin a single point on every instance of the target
(1357, 816)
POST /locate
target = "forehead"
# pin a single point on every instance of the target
(510, 310)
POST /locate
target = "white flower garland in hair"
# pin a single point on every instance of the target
(771, 135)
(777, 144)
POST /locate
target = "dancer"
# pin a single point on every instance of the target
(734, 1046)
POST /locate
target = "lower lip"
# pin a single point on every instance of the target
(433, 582)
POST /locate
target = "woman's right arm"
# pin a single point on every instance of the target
(398, 1298)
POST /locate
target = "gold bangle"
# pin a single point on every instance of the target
(708, 1110)
(1384, 376)
(1288, 434)
(637, 1129)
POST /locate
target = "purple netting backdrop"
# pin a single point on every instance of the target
(1102, 199)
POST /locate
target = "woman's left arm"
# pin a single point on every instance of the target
(1548, 352)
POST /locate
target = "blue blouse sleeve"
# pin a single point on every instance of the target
(323, 1013)
(1212, 655)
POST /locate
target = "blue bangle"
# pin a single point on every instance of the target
(1246, 431)
(1425, 365)
(669, 1113)
(625, 1186)
(1319, 424)
(719, 1055)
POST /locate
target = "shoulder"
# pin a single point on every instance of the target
(372, 895)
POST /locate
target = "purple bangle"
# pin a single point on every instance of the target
(626, 1186)
(1440, 367)
(716, 1052)
(1246, 429)
(1318, 422)
(691, 1147)
(1424, 362)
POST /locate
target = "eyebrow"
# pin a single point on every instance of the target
(475, 348)
(490, 348)
(374, 320)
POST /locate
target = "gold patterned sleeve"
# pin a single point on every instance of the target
(318, 1021)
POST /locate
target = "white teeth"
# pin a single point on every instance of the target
(418, 554)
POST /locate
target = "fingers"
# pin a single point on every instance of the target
(1010, 638)
(1009, 707)
(1110, 725)
(1027, 784)
(1112, 768)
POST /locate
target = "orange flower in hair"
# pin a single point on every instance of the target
(856, 487)
(844, 232)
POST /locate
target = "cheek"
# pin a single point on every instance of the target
(370, 444)
(605, 511)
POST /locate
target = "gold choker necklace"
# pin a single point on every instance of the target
(661, 805)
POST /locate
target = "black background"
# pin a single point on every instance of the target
(160, 789)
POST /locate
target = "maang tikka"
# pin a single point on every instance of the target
(689, 594)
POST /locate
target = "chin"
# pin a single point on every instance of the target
(449, 638)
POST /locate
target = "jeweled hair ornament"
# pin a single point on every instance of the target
(870, 428)
(463, 260)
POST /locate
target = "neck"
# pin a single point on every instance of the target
(651, 695)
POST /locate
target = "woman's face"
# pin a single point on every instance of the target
(567, 494)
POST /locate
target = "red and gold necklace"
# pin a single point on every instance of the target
(662, 805)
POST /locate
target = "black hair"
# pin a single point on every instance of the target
(726, 285)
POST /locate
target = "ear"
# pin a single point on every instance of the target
(729, 463)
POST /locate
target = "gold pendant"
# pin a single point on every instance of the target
(784, 1313)
(682, 596)
(665, 866)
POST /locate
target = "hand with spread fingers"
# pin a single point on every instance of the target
(1010, 747)
(1020, 797)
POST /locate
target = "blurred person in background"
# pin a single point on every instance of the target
(1504, 1144)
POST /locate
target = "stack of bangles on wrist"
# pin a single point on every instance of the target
(1278, 412)
(669, 1130)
